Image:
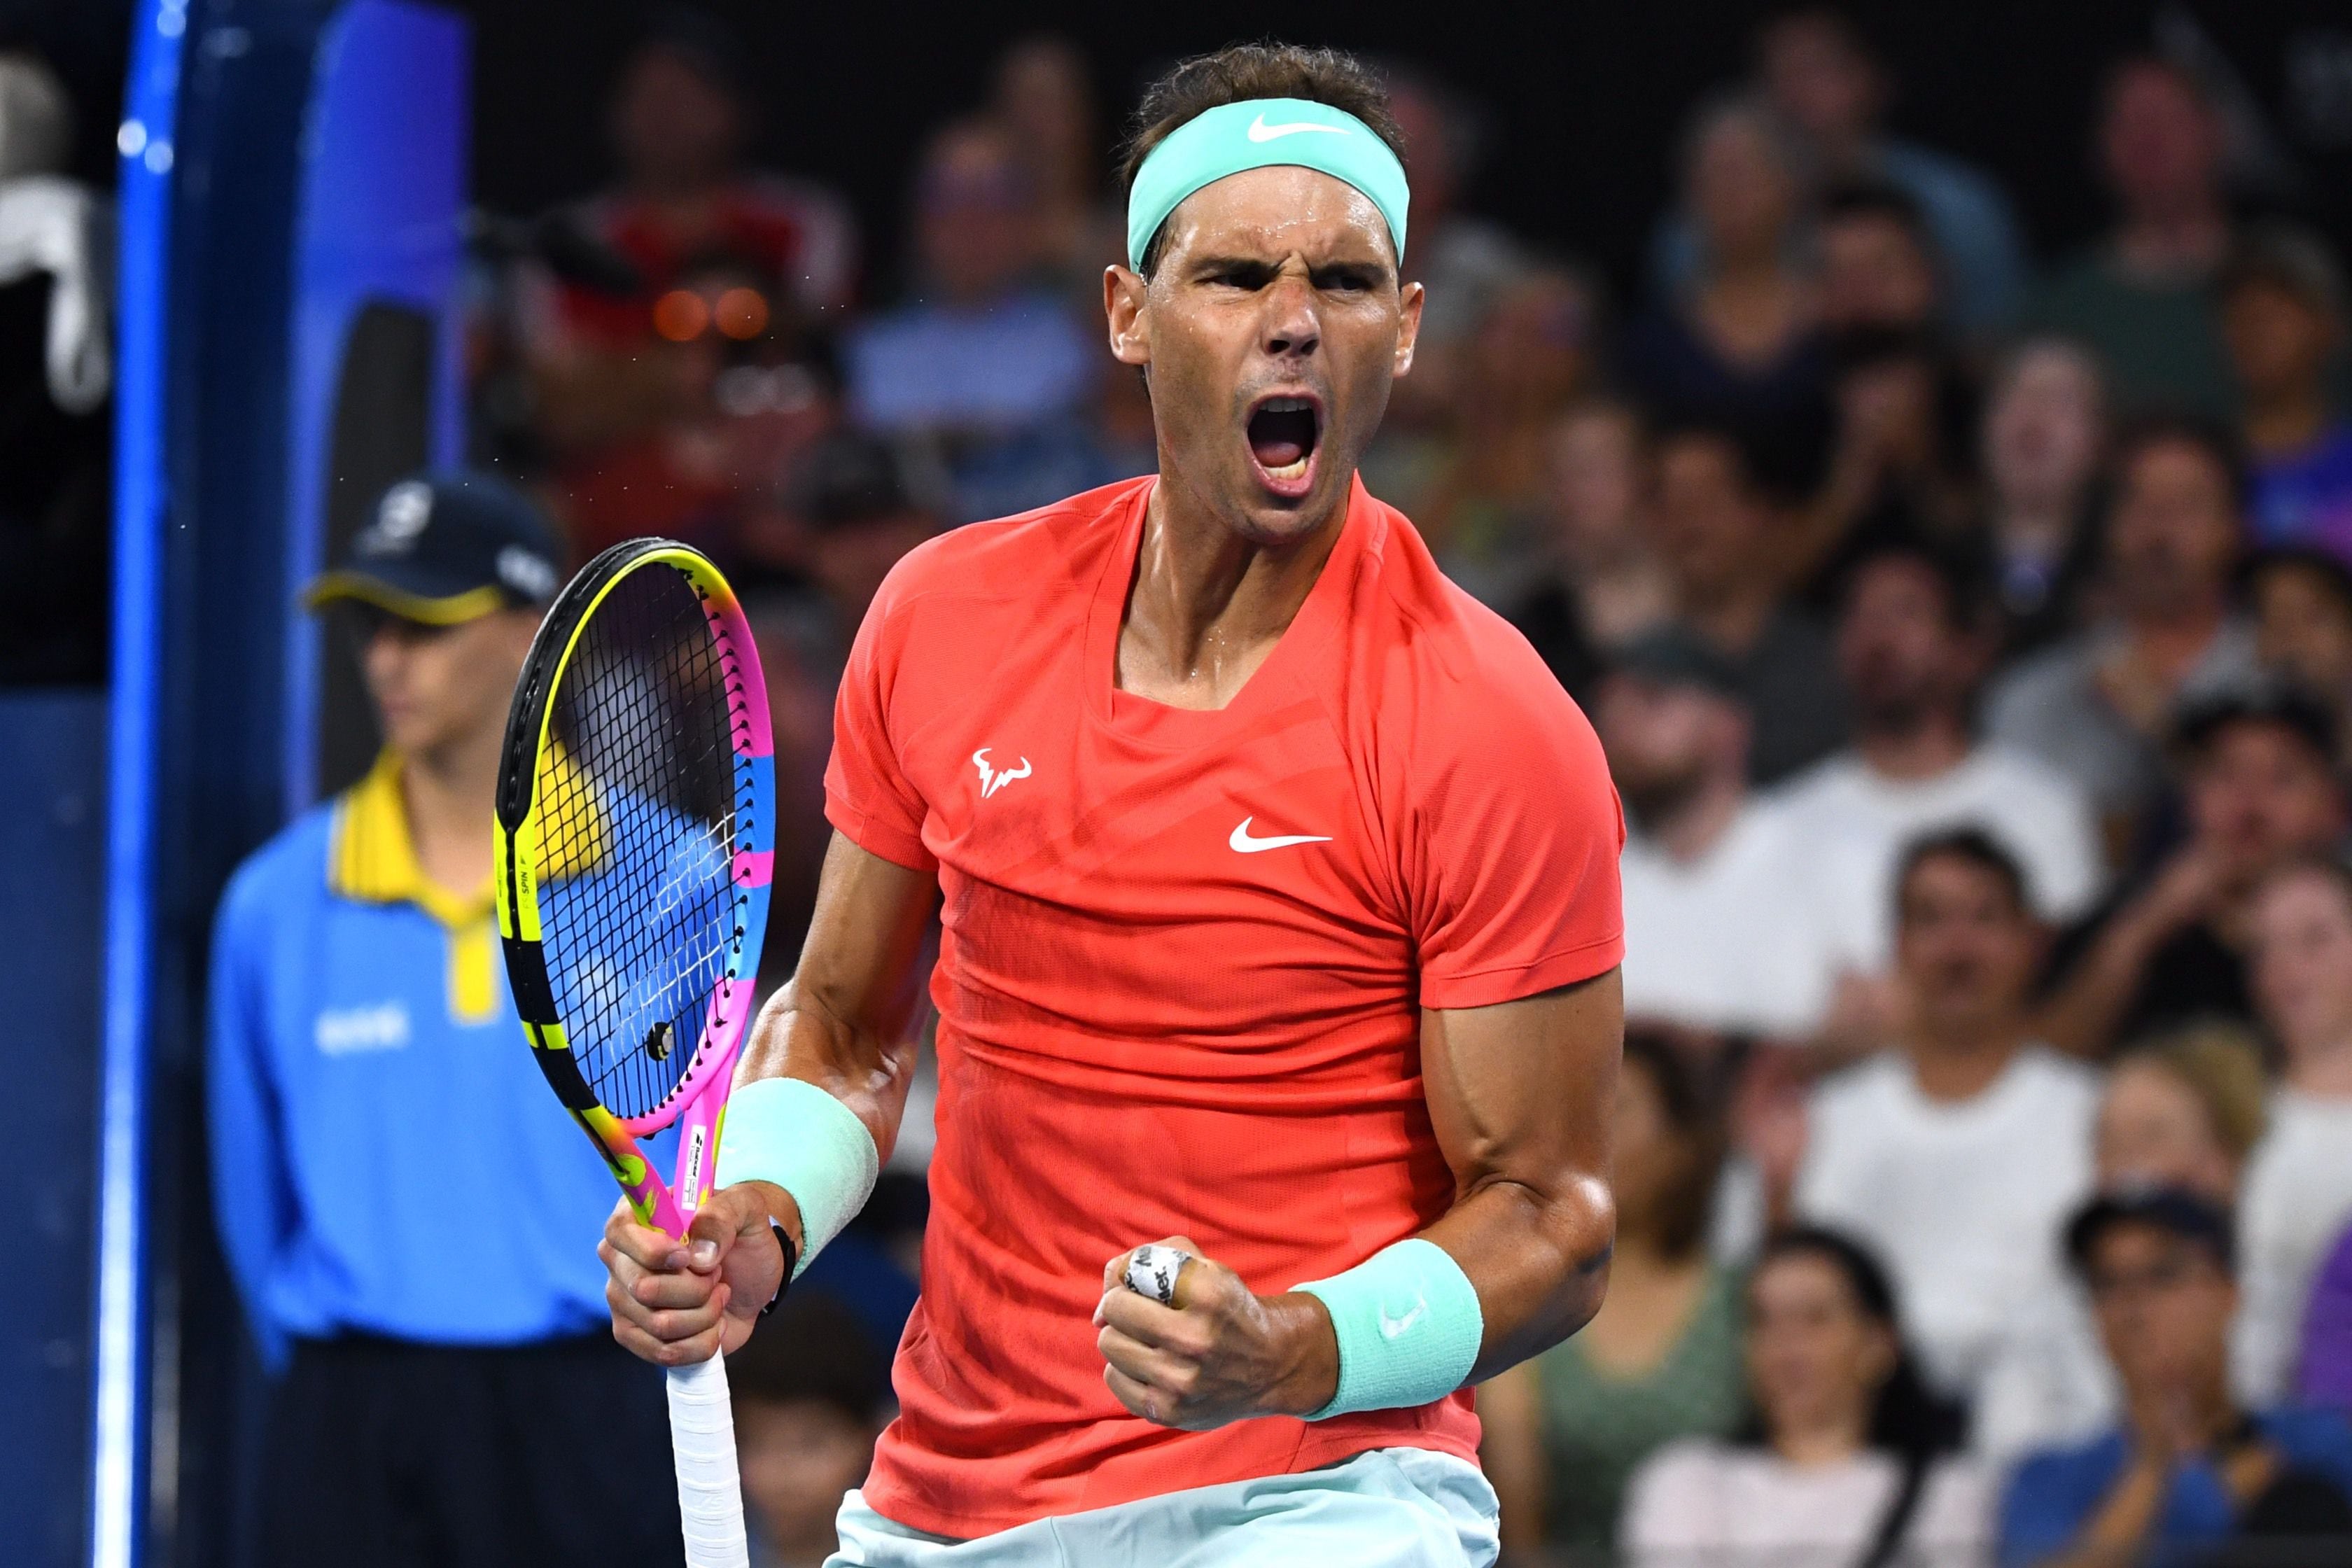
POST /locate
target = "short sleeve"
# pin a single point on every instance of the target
(1513, 834)
(867, 796)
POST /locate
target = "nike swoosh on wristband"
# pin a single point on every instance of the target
(1244, 845)
(1259, 130)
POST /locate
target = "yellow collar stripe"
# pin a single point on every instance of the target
(372, 859)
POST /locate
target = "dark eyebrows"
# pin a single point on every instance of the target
(1369, 271)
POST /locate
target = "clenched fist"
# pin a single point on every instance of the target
(1220, 1354)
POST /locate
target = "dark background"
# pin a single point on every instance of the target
(1583, 102)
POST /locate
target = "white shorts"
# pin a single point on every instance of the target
(1390, 1508)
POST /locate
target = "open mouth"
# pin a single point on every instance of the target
(1282, 438)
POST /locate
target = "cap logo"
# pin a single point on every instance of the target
(528, 574)
(400, 517)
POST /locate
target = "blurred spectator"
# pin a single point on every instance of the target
(1821, 76)
(2189, 1468)
(1043, 93)
(1563, 1432)
(2183, 1109)
(2143, 298)
(982, 360)
(1877, 261)
(1957, 1154)
(2302, 601)
(1849, 1458)
(623, 380)
(56, 371)
(2299, 1187)
(1484, 473)
(1461, 258)
(811, 1392)
(847, 511)
(1716, 939)
(1913, 644)
(2042, 441)
(2282, 316)
(2097, 705)
(1737, 341)
(747, 390)
(2261, 791)
(1901, 459)
(432, 1380)
(1723, 516)
(1595, 581)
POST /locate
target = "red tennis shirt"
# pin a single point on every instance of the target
(1183, 959)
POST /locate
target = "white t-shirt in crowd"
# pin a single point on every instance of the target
(1855, 826)
(1726, 942)
(2297, 1202)
(1700, 1502)
(1964, 1203)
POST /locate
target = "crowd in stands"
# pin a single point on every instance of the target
(1969, 631)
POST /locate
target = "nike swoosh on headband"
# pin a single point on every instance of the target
(1259, 130)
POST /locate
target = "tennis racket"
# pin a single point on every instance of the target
(636, 831)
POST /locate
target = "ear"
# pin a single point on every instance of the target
(1409, 304)
(1126, 298)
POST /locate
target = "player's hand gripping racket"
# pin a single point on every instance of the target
(635, 837)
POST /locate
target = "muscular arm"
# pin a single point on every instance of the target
(1520, 1095)
(839, 1023)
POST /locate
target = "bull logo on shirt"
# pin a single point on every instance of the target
(995, 779)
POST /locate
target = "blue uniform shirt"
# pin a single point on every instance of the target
(2056, 1491)
(386, 1156)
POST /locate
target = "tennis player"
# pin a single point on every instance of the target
(1280, 934)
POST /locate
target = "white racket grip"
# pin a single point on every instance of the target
(709, 1491)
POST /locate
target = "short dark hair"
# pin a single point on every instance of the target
(1960, 579)
(1239, 72)
(2260, 703)
(1877, 198)
(2311, 559)
(2172, 427)
(1972, 844)
(1770, 467)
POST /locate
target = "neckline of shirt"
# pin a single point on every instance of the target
(1281, 676)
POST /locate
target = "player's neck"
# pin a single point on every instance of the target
(1208, 605)
(450, 792)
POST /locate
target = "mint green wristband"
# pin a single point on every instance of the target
(1409, 1325)
(791, 1132)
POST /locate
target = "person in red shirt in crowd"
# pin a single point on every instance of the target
(1279, 890)
(734, 270)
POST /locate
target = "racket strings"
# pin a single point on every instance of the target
(645, 796)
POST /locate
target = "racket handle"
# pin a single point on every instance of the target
(709, 1491)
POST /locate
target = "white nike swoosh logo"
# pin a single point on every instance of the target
(1392, 1327)
(1259, 130)
(1244, 845)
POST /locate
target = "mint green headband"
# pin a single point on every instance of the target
(1257, 133)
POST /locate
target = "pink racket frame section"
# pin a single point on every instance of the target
(698, 1106)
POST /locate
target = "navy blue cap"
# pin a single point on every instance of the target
(2190, 1215)
(445, 547)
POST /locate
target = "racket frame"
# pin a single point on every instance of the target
(697, 1105)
